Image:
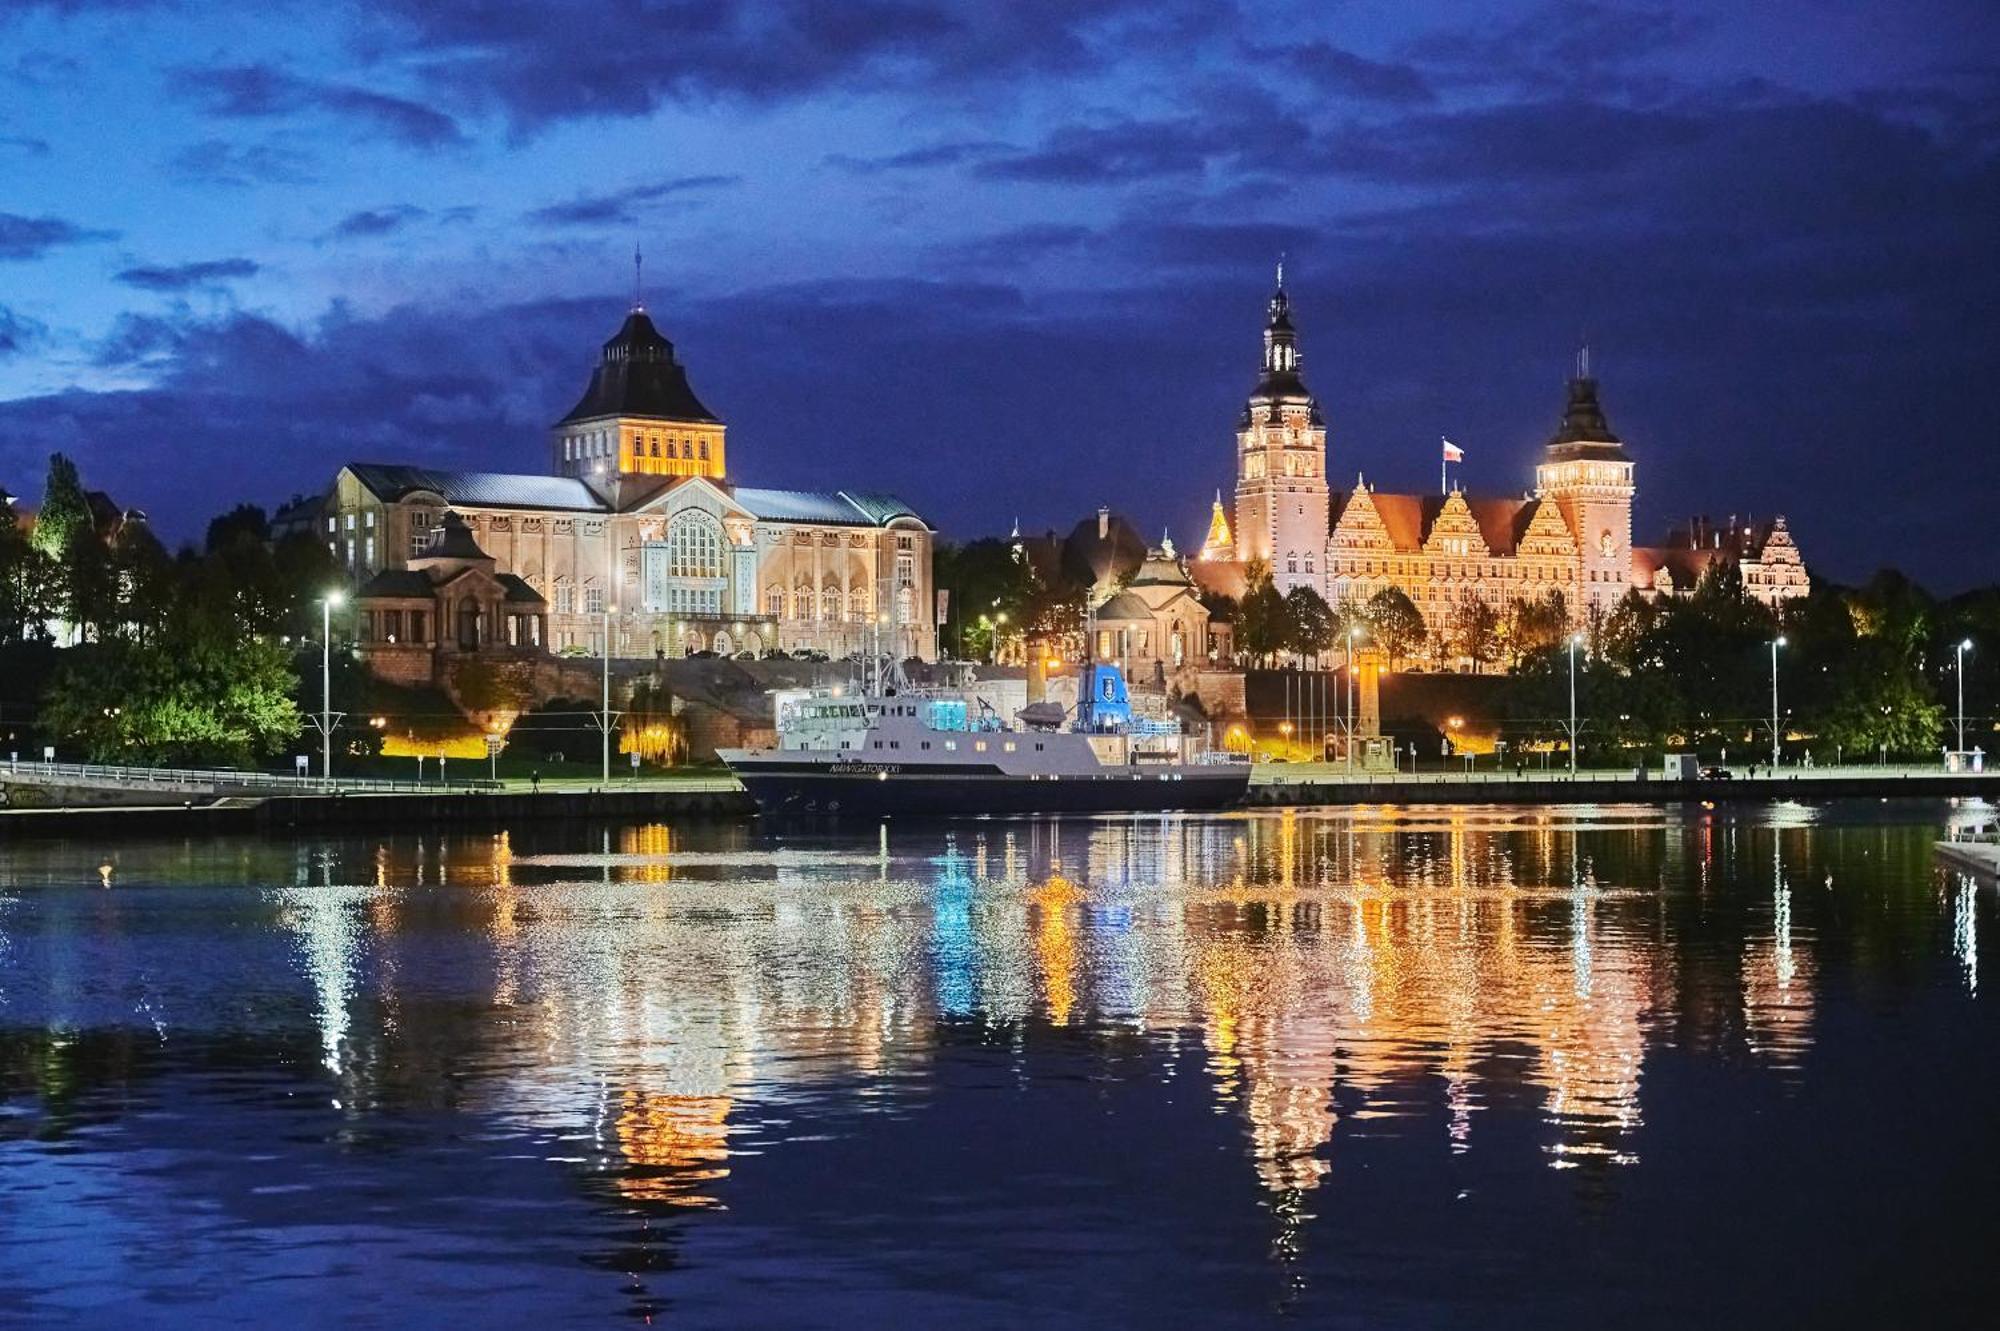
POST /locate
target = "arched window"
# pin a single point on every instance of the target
(774, 602)
(694, 546)
(857, 605)
(829, 605)
(802, 599)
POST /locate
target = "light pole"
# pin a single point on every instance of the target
(1776, 643)
(604, 717)
(326, 605)
(1353, 632)
(1963, 648)
(1574, 639)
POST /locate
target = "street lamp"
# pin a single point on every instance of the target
(326, 605)
(1963, 648)
(1574, 640)
(604, 717)
(1353, 631)
(1776, 643)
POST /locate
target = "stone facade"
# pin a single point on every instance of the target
(1571, 535)
(640, 531)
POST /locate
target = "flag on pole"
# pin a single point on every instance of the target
(1452, 452)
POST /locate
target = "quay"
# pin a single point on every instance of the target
(75, 801)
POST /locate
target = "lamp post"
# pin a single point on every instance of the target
(604, 717)
(1963, 647)
(1776, 643)
(1574, 639)
(326, 605)
(1353, 632)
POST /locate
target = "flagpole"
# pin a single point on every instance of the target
(1444, 460)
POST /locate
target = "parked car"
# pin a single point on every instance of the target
(1717, 774)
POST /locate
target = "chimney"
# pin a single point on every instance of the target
(1103, 522)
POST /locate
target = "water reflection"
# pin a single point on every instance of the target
(655, 1006)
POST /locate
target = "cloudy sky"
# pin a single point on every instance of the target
(1011, 258)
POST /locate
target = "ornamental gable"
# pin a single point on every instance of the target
(1360, 527)
(1455, 531)
(1548, 534)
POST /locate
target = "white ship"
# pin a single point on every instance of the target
(892, 749)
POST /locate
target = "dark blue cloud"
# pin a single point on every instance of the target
(187, 276)
(923, 158)
(1342, 73)
(32, 237)
(623, 207)
(376, 221)
(539, 64)
(18, 333)
(250, 92)
(241, 165)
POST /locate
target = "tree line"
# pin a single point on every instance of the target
(120, 651)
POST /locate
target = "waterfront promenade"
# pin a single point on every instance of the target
(54, 803)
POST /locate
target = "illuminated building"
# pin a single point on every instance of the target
(640, 518)
(1571, 535)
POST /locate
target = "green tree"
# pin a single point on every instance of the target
(78, 578)
(1533, 624)
(1626, 630)
(65, 513)
(1261, 622)
(1474, 633)
(24, 583)
(1309, 626)
(1395, 624)
(188, 699)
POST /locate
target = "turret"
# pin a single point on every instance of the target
(1281, 497)
(1588, 475)
(639, 416)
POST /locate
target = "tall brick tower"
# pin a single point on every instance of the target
(1281, 499)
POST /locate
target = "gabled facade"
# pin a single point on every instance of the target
(1572, 535)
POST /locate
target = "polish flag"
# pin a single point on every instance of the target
(1452, 452)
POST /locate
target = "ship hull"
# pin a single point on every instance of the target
(818, 790)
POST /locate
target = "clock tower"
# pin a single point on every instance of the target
(1281, 498)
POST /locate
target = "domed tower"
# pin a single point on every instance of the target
(1281, 499)
(1587, 473)
(639, 417)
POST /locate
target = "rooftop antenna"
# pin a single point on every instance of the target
(1281, 270)
(638, 277)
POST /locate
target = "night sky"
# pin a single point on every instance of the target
(1011, 259)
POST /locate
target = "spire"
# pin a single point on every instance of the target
(1279, 381)
(1220, 544)
(1583, 430)
(638, 279)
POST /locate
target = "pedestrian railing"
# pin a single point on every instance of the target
(223, 780)
(1278, 774)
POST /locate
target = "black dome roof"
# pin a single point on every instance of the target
(638, 376)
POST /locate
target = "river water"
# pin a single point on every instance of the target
(1436, 1067)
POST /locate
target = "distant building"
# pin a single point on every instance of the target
(639, 524)
(1572, 534)
(1144, 609)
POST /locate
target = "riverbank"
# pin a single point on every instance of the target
(719, 802)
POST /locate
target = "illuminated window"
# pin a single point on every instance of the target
(694, 546)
